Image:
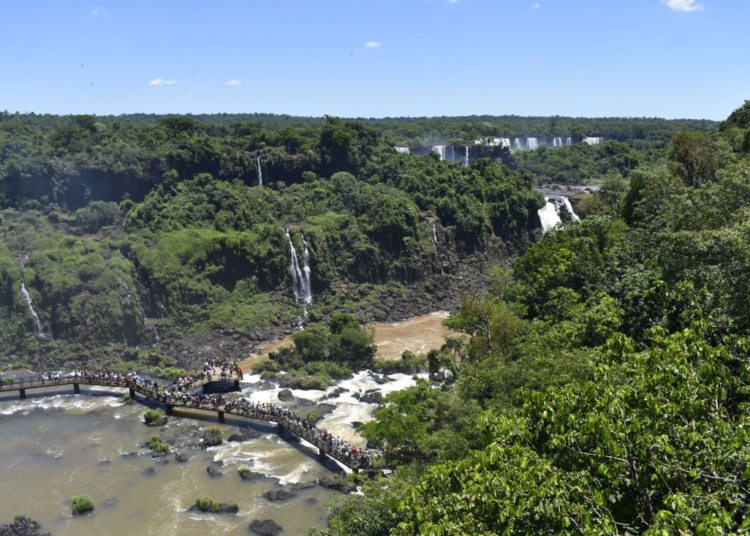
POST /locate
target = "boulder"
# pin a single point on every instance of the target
(181, 457)
(161, 421)
(339, 483)
(211, 439)
(244, 434)
(22, 526)
(213, 472)
(280, 494)
(149, 472)
(246, 474)
(285, 395)
(265, 527)
(373, 396)
(222, 509)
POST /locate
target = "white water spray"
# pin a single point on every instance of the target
(517, 144)
(532, 143)
(402, 150)
(466, 156)
(568, 141)
(548, 216)
(593, 141)
(260, 173)
(557, 142)
(300, 282)
(569, 208)
(439, 149)
(37, 324)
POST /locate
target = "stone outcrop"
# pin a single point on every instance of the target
(265, 527)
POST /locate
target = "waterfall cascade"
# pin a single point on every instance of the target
(466, 156)
(532, 143)
(593, 141)
(300, 280)
(437, 248)
(557, 142)
(439, 149)
(568, 141)
(550, 214)
(503, 142)
(260, 173)
(37, 324)
(402, 150)
(306, 270)
(517, 144)
(156, 334)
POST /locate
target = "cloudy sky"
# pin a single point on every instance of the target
(374, 58)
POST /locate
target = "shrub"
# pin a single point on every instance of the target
(82, 504)
(157, 445)
(153, 415)
(267, 375)
(265, 365)
(207, 504)
(244, 470)
(9, 381)
(214, 431)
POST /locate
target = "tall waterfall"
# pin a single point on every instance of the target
(504, 142)
(453, 153)
(466, 155)
(437, 248)
(517, 144)
(306, 270)
(557, 142)
(37, 324)
(569, 208)
(568, 141)
(300, 280)
(260, 173)
(532, 143)
(548, 216)
(439, 149)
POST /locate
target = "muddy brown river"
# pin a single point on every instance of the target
(54, 447)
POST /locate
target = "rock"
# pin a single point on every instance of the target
(244, 434)
(285, 395)
(128, 454)
(211, 439)
(23, 526)
(380, 380)
(250, 475)
(266, 527)
(280, 494)
(372, 397)
(222, 509)
(356, 395)
(339, 483)
(213, 472)
(305, 485)
(357, 424)
(149, 472)
(181, 457)
(161, 421)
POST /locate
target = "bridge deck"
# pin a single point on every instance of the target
(324, 448)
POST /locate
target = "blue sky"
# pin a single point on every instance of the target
(665, 58)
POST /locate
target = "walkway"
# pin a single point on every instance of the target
(327, 445)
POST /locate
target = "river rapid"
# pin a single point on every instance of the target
(57, 446)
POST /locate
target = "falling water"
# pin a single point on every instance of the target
(593, 141)
(568, 141)
(504, 142)
(300, 282)
(517, 143)
(532, 143)
(453, 153)
(437, 248)
(37, 324)
(569, 207)
(466, 156)
(439, 149)
(402, 150)
(306, 272)
(156, 334)
(548, 215)
(557, 142)
(260, 173)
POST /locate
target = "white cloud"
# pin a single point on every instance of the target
(97, 11)
(372, 44)
(235, 83)
(536, 6)
(162, 82)
(683, 5)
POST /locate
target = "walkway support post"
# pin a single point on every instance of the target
(322, 456)
(76, 388)
(221, 417)
(236, 385)
(132, 394)
(170, 407)
(22, 393)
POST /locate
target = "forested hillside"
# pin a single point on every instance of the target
(601, 385)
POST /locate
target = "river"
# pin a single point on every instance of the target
(57, 446)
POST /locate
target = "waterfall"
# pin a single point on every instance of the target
(439, 149)
(306, 271)
(300, 281)
(37, 324)
(548, 216)
(260, 173)
(593, 141)
(532, 143)
(569, 208)
(568, 141)
(466, 156)
(437, 248)
(517, 143)
(156, 334)
(453, 154)
(402, 150)
(557, 142)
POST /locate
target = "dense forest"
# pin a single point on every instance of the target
(600, 386)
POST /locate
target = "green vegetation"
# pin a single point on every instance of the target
(207, 504)
(157, 445)
(153, 415)
(82, 504)
(599, 387)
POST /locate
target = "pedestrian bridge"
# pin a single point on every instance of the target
(286, 421)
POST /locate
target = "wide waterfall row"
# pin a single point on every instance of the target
(554, 211)
(300, 276)
(37, 324)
